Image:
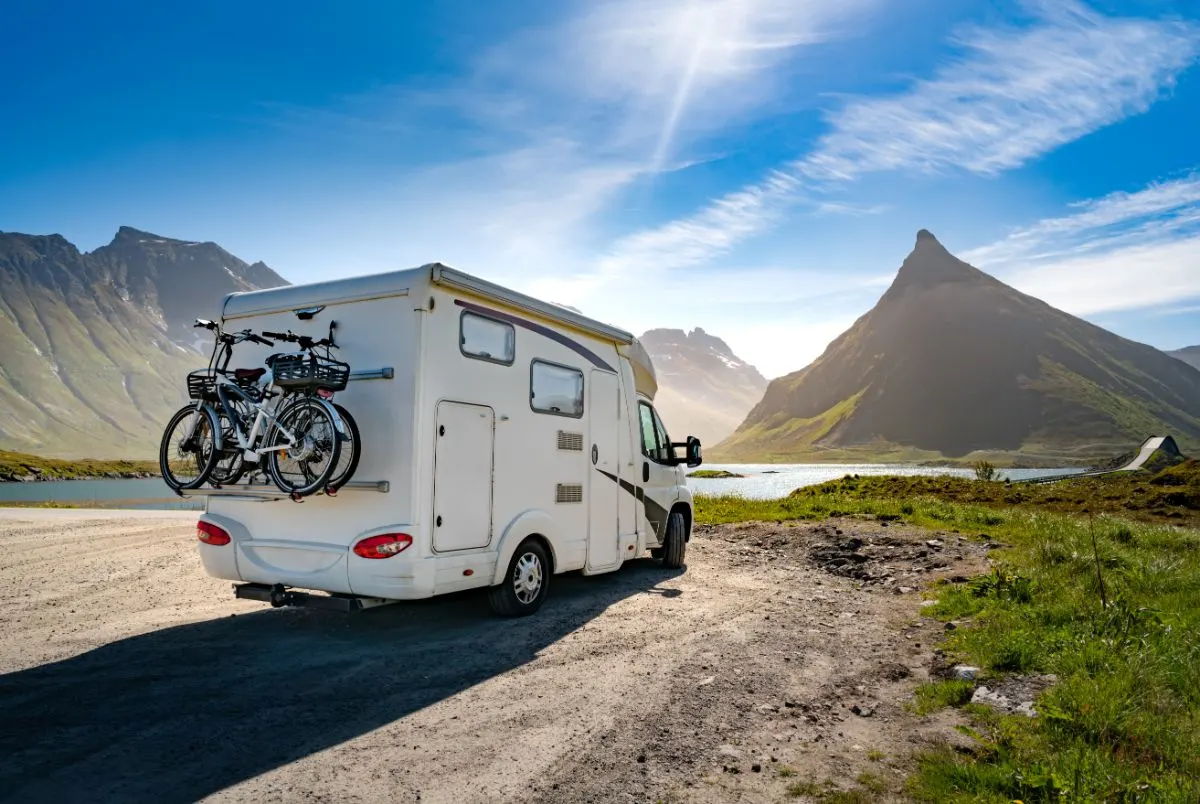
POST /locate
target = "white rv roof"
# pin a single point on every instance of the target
(398, 283)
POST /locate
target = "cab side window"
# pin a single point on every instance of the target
(655, 444)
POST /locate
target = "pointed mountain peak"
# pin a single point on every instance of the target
(930, 264)
(127, 234)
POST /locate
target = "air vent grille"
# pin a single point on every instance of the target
(571, 441)
(568, 493)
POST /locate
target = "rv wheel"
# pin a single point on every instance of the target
(675, 545)
(525, 584)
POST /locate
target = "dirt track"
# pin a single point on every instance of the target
(129, 675)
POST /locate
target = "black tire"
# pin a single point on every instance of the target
(675, 545)
(198, 453)
(231, 464)
(312, 422)
(512, 598)
(347, 463)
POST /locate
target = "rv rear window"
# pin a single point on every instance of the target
(487, 339)
(555, 389)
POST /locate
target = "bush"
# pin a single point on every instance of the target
(985, 470)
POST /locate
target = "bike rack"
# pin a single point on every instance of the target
(264, 492)
(386, 373)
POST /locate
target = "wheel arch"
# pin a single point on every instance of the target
(533, 523)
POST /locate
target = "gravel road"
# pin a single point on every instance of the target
(782, 653)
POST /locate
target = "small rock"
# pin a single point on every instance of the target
(641, 758)
(965, 672)
(766, 709)
(904, 590)
(951, 627)
(936, 544)
(757, 768)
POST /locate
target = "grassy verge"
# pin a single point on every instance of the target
(1169, 496)
(1122, 723)
(18, 465)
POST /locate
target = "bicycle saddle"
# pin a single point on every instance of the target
(248, 374)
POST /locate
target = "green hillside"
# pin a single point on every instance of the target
(89, 363)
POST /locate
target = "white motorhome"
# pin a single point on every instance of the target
(504, 440)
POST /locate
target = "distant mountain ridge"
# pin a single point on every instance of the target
(1189, 355)
(96, 345)
(953, 363)
(705, 389)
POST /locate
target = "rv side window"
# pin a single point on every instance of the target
(555, 389)
(487, 339)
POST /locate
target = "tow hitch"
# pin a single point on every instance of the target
(279, 596)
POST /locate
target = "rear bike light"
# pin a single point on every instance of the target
(209, 533)
(385, 545)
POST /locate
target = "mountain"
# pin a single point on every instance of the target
(96, 345)
(705, 389)
(1189, 355)
(952, 363)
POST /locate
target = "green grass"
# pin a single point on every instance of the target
(940, 694)
(1123, 722)
(17, 464)
(715, 474)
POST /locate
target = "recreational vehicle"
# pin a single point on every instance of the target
(503, 440)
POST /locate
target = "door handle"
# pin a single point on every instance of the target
(645, 472)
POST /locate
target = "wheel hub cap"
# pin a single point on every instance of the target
(527, 577)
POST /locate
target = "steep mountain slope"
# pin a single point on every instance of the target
(94, 347)
(1189, 355)
(953, 363)
(705, 390)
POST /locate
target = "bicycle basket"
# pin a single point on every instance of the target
(202, 384)
(304, 371)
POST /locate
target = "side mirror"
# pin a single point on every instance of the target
(694, 457)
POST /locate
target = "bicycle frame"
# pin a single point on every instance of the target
(247, 443)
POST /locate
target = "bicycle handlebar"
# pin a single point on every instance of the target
(304, 341)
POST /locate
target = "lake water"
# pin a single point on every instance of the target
(761, 481)
(106, 493)
(768, 481)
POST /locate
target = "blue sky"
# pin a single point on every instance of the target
(755, 167)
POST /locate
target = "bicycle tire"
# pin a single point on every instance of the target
(231, 463)
(352, 442)
(208, 457)
(332, 445)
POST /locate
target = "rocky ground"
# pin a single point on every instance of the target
(777, 666)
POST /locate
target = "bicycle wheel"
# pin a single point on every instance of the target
(347, 463)
(305, 465)
(231, 463)
(188, 452)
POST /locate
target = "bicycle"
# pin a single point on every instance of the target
(299, 428)
(349, 455)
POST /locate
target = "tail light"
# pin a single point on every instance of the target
(385, 545)
(209, 533)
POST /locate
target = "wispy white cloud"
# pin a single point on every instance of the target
(640, 76)
(1124, 251)
(1012, 95)
(1128, 278)
(1161, 211)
